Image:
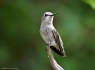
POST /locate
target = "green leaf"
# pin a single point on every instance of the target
(90, 2)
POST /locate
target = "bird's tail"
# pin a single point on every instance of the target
(61, 53)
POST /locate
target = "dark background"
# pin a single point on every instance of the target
(22, 47)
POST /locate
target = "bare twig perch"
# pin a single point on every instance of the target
(52, 60)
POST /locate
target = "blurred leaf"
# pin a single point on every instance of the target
(90, 2)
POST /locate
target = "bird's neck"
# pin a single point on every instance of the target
(47, 23)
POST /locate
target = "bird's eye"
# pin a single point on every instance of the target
(46, 15)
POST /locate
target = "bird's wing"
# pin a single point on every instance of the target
(58, 40)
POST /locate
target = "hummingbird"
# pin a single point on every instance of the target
(50, 34)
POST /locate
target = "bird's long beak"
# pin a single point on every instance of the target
(54, 14)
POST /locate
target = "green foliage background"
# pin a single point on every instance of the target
(22, 47)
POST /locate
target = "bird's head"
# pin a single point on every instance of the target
(48, 16)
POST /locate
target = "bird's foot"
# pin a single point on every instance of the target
(47, 45)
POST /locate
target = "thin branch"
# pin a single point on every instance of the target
(53, 62)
